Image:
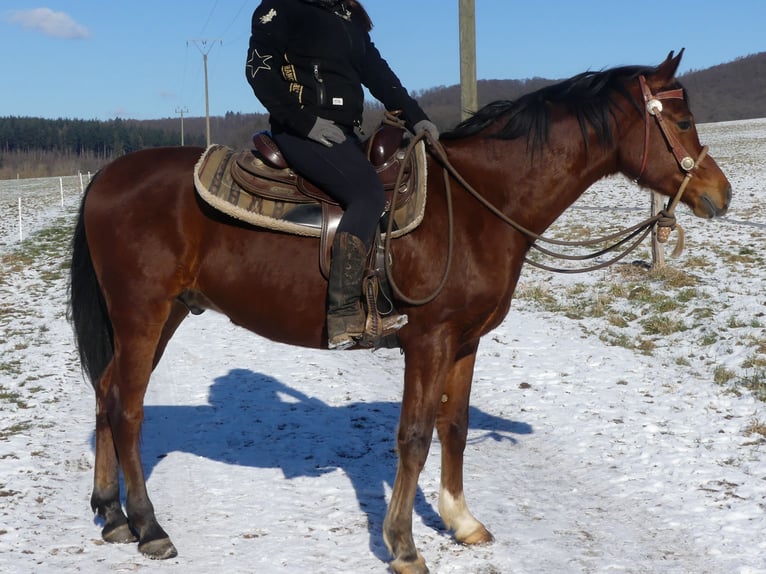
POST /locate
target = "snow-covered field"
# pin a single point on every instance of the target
(615, 424)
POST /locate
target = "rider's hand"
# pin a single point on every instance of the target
(428, 127)
(326, 132)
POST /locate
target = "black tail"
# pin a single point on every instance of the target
(87, 308)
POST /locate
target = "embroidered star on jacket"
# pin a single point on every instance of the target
(268, 16)
(258, 62)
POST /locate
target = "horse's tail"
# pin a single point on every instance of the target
(87, 307)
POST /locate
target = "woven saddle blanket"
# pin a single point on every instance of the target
(249, 186)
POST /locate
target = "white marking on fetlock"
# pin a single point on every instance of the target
(456, 516)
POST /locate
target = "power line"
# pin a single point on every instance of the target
(235, 19)
(210, 15)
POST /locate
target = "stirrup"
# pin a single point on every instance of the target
(391, 324)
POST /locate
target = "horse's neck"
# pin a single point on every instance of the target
(535, 189)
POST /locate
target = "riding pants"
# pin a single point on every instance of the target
(345, 174)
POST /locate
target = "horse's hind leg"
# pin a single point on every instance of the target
(452, 426)
(106, 487)
(106, 482)
(136, 346)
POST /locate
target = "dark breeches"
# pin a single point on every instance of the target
(345, 174)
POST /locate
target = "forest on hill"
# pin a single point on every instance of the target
(36, 147)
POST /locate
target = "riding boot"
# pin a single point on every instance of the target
(345, 315)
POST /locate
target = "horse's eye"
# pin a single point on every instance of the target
(684, 125)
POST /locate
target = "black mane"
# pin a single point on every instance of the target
(589, 96)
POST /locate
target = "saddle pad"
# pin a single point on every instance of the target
(216, 186)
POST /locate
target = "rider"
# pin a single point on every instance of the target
(307, 62)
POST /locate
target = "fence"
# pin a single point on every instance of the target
(26, 204)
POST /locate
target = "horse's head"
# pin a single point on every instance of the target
(661, 148)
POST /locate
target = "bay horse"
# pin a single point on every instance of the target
(145, 246)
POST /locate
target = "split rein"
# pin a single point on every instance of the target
(665, 220)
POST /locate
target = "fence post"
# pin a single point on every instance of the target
(658, 253)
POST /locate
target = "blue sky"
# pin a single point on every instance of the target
(99, 60)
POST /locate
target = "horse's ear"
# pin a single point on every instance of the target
(669, 67)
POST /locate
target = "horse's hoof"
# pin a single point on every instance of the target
(400, 566)
(121, 534)
(478, 537)
(161, 549)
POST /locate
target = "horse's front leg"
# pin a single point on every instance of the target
(452, 426)
(105, 500)
(426, 366)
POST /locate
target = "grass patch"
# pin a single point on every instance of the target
(756, 426)
(754, 381)
(11, 368)
(15, 398)
(662, 325)
(722, 375)
(15, 429)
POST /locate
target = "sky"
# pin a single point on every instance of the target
(89, 59)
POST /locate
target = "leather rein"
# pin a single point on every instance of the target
(664, 220)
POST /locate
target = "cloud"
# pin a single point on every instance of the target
(49, 23)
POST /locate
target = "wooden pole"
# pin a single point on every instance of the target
(469, 100)
(207, 104)
(204, 47)
(658, 253)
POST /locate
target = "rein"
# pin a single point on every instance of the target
(664, 220)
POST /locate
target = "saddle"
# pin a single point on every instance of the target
(259, 187)
(264, 171)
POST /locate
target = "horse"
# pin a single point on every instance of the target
(146, 250)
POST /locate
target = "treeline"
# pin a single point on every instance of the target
(38, 147)
(732, 91)
(34, 147)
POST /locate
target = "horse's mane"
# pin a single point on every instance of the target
(589, 95)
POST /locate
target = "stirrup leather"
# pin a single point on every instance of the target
(377, 327)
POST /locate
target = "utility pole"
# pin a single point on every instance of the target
(204, 46)
(469, 100)
(182, 111)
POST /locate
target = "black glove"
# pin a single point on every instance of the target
(326, 133)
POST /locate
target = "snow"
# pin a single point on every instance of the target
(584, 455)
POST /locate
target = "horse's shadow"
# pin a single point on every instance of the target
(254, 420)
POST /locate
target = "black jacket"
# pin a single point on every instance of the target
(306, 60)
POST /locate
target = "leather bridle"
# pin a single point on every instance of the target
(653, 108)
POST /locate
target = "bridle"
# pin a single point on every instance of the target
(664, 220)
(653, 108)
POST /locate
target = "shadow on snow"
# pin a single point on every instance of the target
(254, 420)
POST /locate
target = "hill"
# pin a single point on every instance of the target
(732, 91)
